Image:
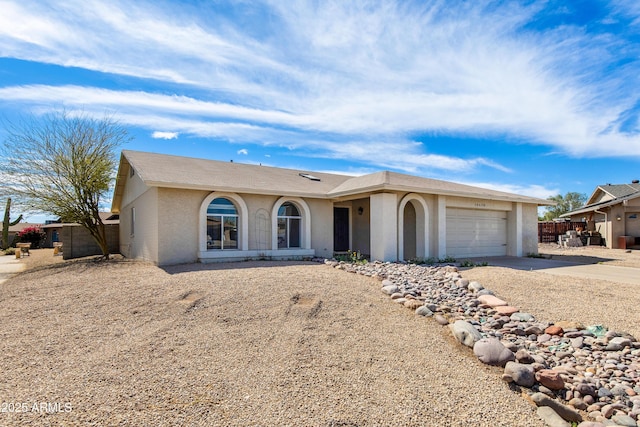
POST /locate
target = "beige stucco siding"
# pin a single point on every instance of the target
(143, 242)
(360, 237)
(321, 226)
(529, 229)
(178, 212)
(168, 220)
(134, 188)
(259, 232)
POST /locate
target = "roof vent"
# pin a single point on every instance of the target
(635, 181)
(308, 176)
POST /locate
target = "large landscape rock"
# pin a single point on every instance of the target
(567, 413)
(492, 352)
(550, 379)
(465, 333)
(522, 375)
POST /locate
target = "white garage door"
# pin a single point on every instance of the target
(474, 233)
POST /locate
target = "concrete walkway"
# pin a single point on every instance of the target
(611, 273)
(10, 266)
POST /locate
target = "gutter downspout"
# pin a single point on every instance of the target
(606, 233)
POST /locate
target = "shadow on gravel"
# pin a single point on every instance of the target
(578, 259)
(216, 266)
(528, 264)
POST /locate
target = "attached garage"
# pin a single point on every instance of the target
(476, 232)
(385, 215)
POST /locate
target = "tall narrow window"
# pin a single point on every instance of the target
(133, 221)
(222, 224)
(289, 223)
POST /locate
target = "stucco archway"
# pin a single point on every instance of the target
(419, 226)
(243, 220)
(305, 214)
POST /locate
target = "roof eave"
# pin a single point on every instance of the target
(241, 190)
(119, 187)
(387, 187)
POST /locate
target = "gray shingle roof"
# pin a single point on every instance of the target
(620, 190)
(160, 170)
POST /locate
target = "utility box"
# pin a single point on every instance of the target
(625, 242)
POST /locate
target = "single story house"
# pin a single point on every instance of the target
(76, 240)
(180, 210)
(15, 229)
(613, 210)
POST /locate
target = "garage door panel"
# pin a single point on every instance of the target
(472, 233)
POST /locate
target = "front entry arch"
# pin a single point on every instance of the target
(413, 227)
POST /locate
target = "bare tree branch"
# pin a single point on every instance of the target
(63, 164)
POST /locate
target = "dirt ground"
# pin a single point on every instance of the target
(246, 344)
(262, 343)
(591, 255)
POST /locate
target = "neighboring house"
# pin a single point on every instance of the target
(15, 229)
(53, 231)
(613, 210)
(76, 240)
(181, 210)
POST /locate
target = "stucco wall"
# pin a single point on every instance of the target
(260, 208)
(360, 235)
(321, 226)
(529, 229)
(134, 188)
(178, 223)
(143, 243)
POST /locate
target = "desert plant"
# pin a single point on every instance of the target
(422, 261)
(9, 251)
(33, 235)
(354, 257)
(6, 223)
(469, 263)
(447, 260)
(535, 255)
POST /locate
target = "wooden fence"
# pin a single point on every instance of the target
(548, 232)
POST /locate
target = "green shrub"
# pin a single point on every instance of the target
(10, 251)
(469, 263)
(354, 257)
(422, 261)
(534, 255)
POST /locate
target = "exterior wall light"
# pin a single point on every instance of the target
(360, 210)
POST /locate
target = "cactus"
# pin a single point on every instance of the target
(8, 223)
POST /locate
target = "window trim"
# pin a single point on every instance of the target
(305, 219)
(243, 221)
(222, 217)
(287, 219)
(132, 231)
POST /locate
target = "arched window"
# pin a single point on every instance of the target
(222, 224)
(289, 226)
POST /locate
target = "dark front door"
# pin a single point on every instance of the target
(340, 229)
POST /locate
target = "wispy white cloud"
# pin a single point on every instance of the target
(243, 151)
(239, 125)
(164, 135)
(335, 78)
(534, 190)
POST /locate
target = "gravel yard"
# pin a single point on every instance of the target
(554, 298)
(258, 343)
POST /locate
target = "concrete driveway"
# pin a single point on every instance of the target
(9, 266)
(611, 273)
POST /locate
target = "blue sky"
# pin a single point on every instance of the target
(531, 97)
